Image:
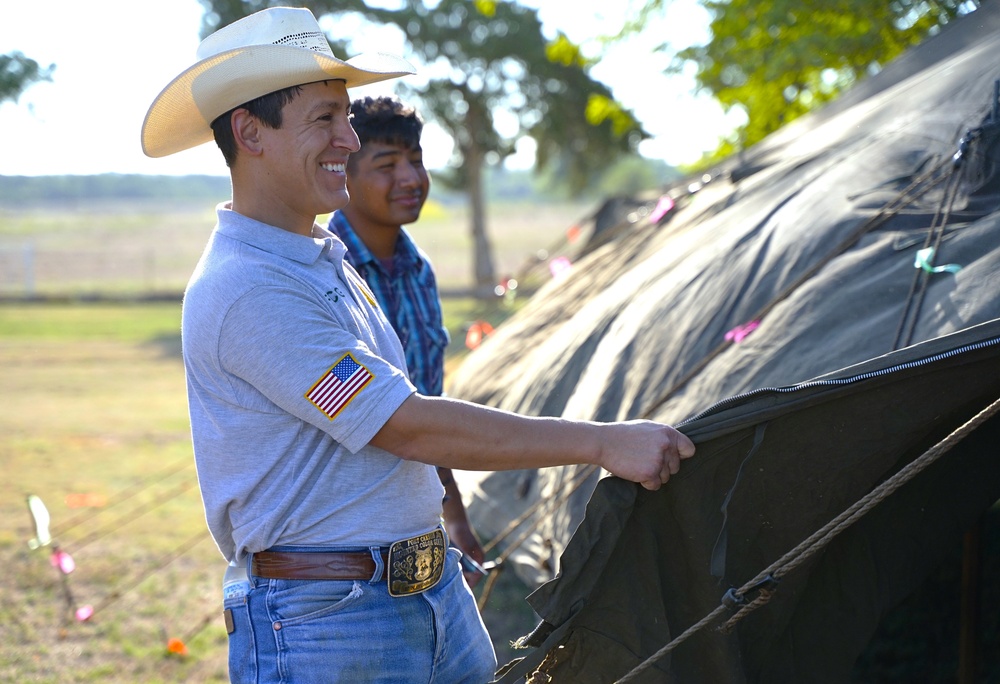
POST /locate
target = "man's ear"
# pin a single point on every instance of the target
(246, 132)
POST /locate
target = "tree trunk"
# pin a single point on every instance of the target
(482, 251)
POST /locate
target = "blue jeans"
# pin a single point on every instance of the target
(308, 631)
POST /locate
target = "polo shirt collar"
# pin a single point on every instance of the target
(278, 241)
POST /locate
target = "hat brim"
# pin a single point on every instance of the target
(181, 115)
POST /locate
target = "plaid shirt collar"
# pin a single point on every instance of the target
(406, 258)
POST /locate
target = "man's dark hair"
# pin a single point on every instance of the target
(386, 120)
(266, 109)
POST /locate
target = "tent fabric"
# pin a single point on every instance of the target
(824, 446)
(814, 237)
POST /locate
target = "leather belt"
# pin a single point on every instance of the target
(316, 565)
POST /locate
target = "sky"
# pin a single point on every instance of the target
(112, 57)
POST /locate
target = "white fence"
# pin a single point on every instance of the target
(29, 271)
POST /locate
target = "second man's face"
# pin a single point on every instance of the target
(388, 184)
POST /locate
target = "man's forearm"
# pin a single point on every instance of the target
(457, 434)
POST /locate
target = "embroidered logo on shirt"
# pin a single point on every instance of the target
(341, 383)
(334, 295)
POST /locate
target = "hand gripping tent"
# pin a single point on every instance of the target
(821, 314)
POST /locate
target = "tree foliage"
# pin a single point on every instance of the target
(500, 59)
(17, 72)
(486, 57)
(778, 59)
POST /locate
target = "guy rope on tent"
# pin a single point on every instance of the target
(766, 580)
(948, 170)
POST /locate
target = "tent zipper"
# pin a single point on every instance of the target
(982, 344)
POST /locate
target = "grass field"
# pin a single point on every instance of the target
(141, 249)
(94, 422)
(95, 406)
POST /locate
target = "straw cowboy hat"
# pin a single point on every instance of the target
(269, 50)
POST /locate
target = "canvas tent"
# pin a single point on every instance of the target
(820, 313)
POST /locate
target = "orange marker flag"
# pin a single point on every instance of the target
(176, 647)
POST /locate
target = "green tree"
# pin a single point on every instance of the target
(634, 175)
(778, 59)
(496, 57)
(17, 72)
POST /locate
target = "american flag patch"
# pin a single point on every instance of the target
(339, 386)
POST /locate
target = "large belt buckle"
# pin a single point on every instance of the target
(416, 564)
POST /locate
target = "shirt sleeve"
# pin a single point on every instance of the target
(286, 349)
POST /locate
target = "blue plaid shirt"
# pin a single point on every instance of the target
(409, 298)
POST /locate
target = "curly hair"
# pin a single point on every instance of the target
(386, 120)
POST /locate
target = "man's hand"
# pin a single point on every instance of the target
(643, 451)
(456, 522)
(464, 538)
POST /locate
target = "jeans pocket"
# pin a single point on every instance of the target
(293, 602)
(242, 649)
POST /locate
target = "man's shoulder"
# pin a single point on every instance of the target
(230, 269)
(409, 247)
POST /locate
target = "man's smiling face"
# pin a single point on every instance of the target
(306, 158)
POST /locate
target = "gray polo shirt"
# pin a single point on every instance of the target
(291, 370)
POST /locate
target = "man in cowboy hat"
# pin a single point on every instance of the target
(315, 455)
